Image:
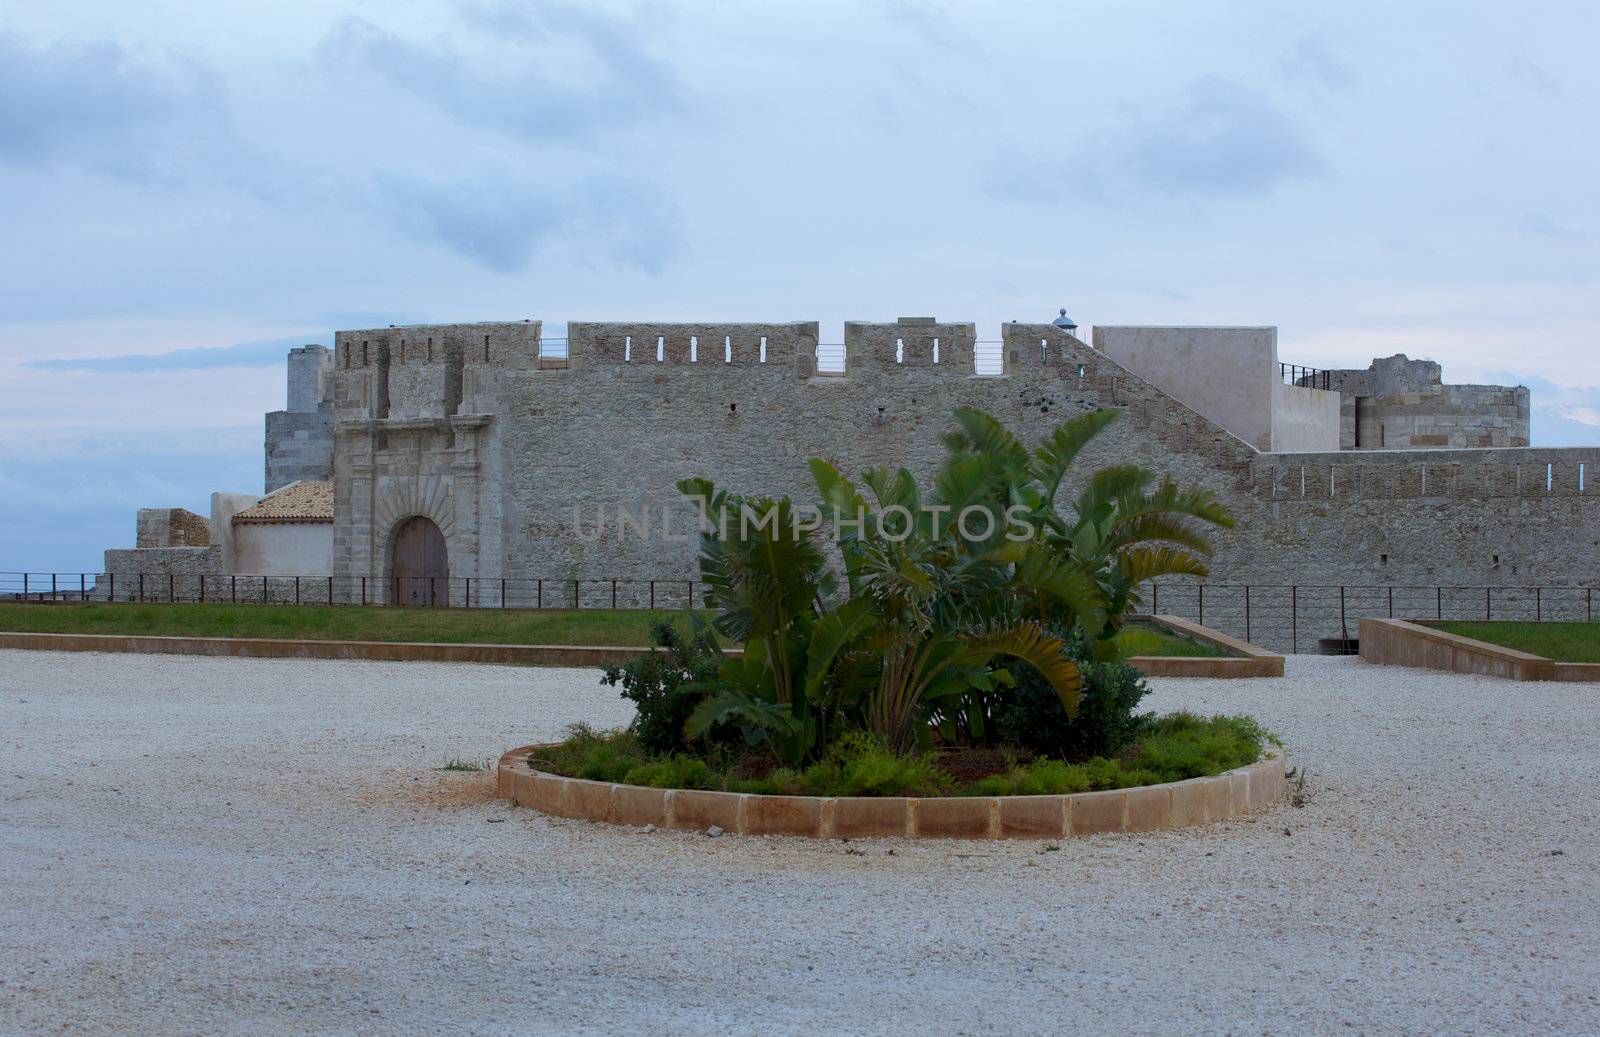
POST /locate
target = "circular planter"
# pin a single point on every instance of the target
(1237, 793)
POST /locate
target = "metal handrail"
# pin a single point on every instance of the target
(1304, 377)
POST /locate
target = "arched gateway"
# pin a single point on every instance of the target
(419, 564)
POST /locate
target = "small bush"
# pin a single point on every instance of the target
(1183, 745)
(654, 683)
(856, 765)
(675, 772)
(591, 754)
(1175, 747)
(1030, 714)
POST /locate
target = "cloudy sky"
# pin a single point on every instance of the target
(188, 189)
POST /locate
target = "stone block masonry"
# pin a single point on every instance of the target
(1400, 403)
(171, 527)
(299, 443)
(523, 465)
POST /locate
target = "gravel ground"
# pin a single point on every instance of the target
(224, 845)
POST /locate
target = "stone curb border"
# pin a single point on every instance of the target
(1397, 642)
(1248, 660)
(1256, 663)
(1244, 792)
(270, 648)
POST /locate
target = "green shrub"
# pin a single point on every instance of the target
(1175, 747)
(1030, 715)
(591, 754)
(675, 772)
(856, 765)
(654, 682)
(1183, 745)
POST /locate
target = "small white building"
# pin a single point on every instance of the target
(289, 532)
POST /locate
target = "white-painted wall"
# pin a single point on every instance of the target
(283, 548)
(1304, 419)
(1226, 374)
(223, 507)
(1231, 376)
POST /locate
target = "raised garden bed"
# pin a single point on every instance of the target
(1232, 657)
(1428, 645)
(1240, 792)
(1559, 641)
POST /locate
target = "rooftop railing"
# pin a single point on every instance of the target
(1304, 377)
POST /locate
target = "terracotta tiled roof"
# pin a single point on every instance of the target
(304, 501)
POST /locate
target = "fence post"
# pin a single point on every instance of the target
(297, 590)
(1344, 627)
(1155, 599)
(363, 590)
(263, 590)
(613, 594)
(468, 594)
(502, 592)
(83, 586)
(202, 588)
(52, 586)
(1247, 612)
(575, 603)
(1201, 598)
(1488, 612)
(24, 586)
(1294, 619)
(1391, 601)
(233, 589)
(538, 590)
(1588, 604)
(1438, 602)
(330, 590)
(1538, 605)
(172, 583)
(113, 595)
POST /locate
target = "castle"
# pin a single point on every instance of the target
(476, 464)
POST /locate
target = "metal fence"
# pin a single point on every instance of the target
(1327, 617)
(1283, 617)
(437, 592)
(1304, 377)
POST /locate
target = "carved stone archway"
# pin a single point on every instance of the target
(417, 517)
(419, 563)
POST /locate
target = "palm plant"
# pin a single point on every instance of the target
(930, 602)
(1125, 528)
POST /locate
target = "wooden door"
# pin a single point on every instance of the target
(420, 569)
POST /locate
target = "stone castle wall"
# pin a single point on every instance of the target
(299, 443)
(525, 465)
(1400, 403)
(171, 527)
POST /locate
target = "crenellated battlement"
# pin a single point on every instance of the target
(916, 342)
(509, 343)
(425, 370)
(676, 344)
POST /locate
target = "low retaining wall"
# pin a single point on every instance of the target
(1396, 642)
(1247, 661)
(1256, 663)
(269, 648)
(1238, 793)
